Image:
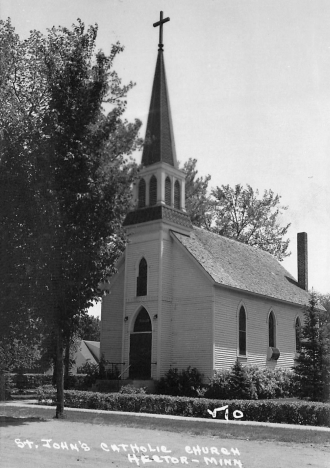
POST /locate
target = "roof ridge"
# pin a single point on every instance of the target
(232, 239)
(247, 269)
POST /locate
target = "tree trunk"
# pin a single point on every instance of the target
(2, 386)
(59, 375)
(67, 364)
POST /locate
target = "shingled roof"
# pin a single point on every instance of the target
(232, 263)
(159, 142)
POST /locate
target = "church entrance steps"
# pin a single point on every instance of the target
(115, 385)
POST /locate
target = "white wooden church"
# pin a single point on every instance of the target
(183, 296)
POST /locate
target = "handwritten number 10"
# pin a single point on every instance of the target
(237, 413)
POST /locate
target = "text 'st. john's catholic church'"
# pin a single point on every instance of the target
(184, 296)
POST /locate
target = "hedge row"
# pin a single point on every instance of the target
(33, 381)
(304, 413)
(23, 381)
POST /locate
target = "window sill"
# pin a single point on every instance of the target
(242, 358)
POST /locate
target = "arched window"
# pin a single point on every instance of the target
(142, 193)
(272, 331)
(142, 322)
(242, 332)
(177, 198)
(153, 191)
(168, 191)
(142, 279)
(298, 334)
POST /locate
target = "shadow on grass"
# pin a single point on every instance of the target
(205, 428)
(17, 416)
(17, 421)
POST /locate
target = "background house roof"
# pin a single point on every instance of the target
(94, 349)
(238, 265)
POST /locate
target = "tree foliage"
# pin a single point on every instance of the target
(64, 176)
(198, 202)
(89, 328)
(313, 362)
(240, 214)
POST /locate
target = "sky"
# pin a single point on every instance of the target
(249, 85)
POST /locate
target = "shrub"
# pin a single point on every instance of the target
(184, 383)
(24, 381)
(46, 394)
(219, 386)
(77, 382)
(235, 383)
(266, 383)
(131, 390)
(240, 384)
(272, 383)
(306, 413)
(92, 373)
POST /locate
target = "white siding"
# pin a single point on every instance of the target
(192, 315)
(165, 305)
(143, 243)
(227, 304)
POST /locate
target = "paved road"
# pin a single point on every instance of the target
(33, 443)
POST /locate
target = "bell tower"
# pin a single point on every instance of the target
(159, 193)
(159, 196)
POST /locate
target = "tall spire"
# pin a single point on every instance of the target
(159, 192)
(159, 142)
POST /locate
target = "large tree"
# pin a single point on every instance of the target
(198, 203)
(241, 214)
(65, 177)
(312, 366)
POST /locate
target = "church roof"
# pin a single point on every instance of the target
(159, 143)
(238, 265)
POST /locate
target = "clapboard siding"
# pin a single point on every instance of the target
(148, 247)
(166, 254)
(164, 320)
(164, 324)
(112, 319)
(227, 304)
(192, 315)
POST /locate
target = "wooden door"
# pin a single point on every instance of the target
(140, 356)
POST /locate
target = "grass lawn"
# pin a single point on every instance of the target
(11, 415)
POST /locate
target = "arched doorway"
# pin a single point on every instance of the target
(140, 347)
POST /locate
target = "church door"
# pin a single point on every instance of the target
(140, 347)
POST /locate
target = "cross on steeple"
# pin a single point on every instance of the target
(160, 24)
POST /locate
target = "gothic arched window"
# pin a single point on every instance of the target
(142, 279)
(168, 191)
(242, 332)
(271, 330)
(153, 191)
(298, 334)
(142, 194)
(142, 322)
(177, 198)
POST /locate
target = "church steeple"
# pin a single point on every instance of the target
(159, 193)
(159, 142)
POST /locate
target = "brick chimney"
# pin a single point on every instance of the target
(302, 260)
